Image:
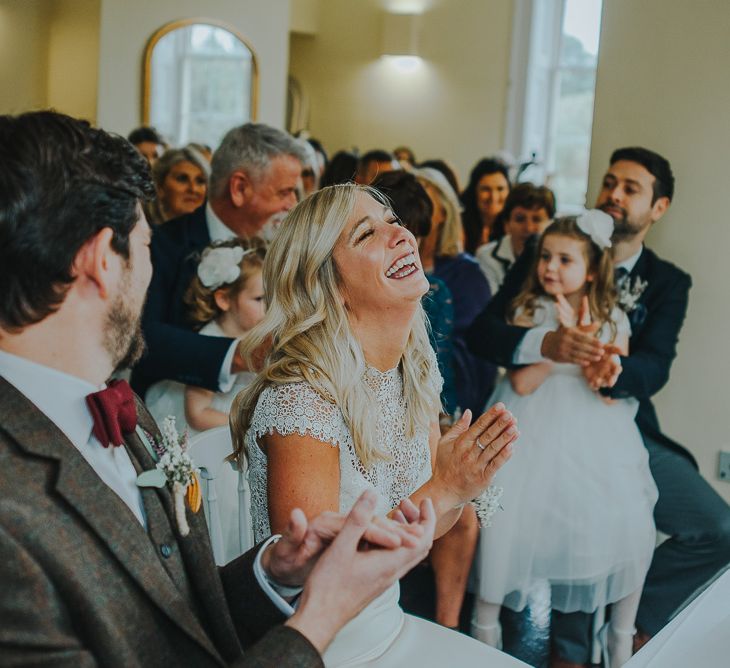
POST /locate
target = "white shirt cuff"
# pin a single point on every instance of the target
(528, 352)
(272, 589)
(226, 379)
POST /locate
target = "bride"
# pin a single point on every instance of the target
(349, 399)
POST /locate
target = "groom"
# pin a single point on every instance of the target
(94, 569)
(636, 191)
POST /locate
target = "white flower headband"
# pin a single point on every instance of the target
(598, 225)
(221, 266)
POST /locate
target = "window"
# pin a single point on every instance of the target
(200, 82)
(550, 108)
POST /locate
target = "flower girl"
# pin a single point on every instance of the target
(227, 299)
(579, 497)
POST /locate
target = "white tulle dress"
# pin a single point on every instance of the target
(382, 634)
(577, 507)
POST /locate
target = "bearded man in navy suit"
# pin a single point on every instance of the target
(253, 181)
(636, 192)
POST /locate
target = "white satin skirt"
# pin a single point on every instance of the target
(383, 635)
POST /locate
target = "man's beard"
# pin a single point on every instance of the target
(123, 337)
(623, 228)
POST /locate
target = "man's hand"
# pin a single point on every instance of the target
(604, 372)
(349, 574)
(291, 559)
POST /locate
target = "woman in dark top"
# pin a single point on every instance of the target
(441, 253)
(483, 201)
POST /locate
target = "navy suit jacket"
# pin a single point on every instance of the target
(655, 326)
(174, 350)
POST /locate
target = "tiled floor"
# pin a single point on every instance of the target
(526, 635)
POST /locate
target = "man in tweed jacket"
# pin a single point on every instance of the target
(93, 569)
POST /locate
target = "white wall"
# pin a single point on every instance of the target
(453, 107)
(73, 57)
(23, 54)
(127, 25)
(663, 83)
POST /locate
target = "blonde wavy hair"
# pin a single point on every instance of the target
(449, 243)
(307, 326)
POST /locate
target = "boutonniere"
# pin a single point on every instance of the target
(486, 504)
(175, 468)
(629, 292)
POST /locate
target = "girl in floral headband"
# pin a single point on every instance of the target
(226, 298)
(579, 497)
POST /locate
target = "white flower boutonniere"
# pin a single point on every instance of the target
(486, 504)
(630, 292)
(176, 468)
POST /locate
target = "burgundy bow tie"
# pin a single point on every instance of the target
(114, 412)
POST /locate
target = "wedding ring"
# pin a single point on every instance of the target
(480, 446)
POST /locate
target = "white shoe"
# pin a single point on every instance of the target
(490, 635)
(616, 645)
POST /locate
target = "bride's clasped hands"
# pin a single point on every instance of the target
(467, 457)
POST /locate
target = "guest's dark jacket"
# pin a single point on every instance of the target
(84, 584)
(174, 350)
(655, 326)
(474, 378)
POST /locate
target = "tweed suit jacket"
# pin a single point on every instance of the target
(83, 583)
(174, 350)
(655, 327)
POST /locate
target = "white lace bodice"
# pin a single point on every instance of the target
(298, 408)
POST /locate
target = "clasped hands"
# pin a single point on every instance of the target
(345, 561)
(574, 342)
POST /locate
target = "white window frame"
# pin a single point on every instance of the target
(534, 87)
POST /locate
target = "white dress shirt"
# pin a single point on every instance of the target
(219, 231)
(489, 256)
(528, 351)
(62, 398)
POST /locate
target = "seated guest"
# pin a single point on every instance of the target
(373, 163)
(181, 179)
(404, 155)
(483, 200)
(441, 253)
(205, 152)
(527, 210)
(96, 570)
(148, 142)
(341, 169)
(446, 169)
(254, 177)
(636, 191)
(451, 555)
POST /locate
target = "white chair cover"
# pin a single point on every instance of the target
(226, 496)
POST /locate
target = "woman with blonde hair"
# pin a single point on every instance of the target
(348, 401)
(181, 179)
(442, 253)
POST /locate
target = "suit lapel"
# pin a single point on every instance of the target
(196, 553)
(102, 510)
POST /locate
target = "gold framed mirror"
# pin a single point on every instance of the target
(200, 80)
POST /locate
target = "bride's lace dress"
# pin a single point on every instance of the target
(381, 634)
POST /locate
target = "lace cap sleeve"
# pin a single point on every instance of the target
(297, 408)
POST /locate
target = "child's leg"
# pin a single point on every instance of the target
(621, 629)
(485, 624)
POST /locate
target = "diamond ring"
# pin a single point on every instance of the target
(480, 446)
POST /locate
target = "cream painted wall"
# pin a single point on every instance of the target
(73, 57)
(663, 83)
(23, 54)
(453, 106)
(127, 25)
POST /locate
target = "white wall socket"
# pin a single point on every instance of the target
(724, 467)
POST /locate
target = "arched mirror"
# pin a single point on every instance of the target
(200, 80)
